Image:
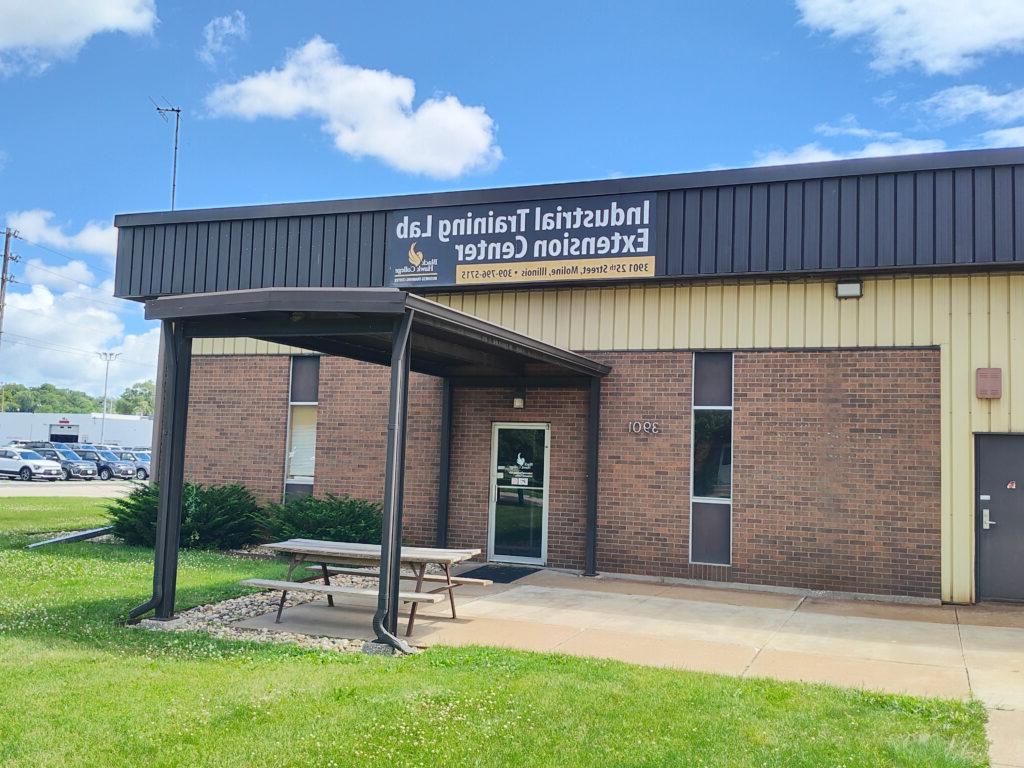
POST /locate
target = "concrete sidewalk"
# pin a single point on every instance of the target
(945, 651)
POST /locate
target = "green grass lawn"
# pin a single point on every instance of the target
(79, 689)
(30, 514)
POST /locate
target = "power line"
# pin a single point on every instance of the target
(92, 300)
(53, 346)
(64, 255)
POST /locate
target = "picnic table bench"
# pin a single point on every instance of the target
(350, 559)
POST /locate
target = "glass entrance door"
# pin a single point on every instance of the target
(519, 493)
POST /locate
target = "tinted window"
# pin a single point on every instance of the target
(712, 454)
(90, 455)
(108, 456)
(127, 456)
(305, 379)
(30, 455)
(712, 378)
(143, 456)
(70, 455)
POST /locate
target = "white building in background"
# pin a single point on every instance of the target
(77, 428)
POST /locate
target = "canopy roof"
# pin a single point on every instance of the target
(359, 323)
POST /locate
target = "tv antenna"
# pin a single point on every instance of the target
(163, 112)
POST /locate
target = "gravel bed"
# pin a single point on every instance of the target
(218, 619)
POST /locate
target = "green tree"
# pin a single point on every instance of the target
(139, 398)
(46, 398)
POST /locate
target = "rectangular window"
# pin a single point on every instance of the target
(300, 460)
(711, 460)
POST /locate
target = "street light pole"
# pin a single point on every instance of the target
(106, 357)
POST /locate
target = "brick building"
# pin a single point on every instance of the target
(814, 375)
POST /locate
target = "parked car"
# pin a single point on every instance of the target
(139, 459)
(27, 464)
(108, 465)
(71, 464)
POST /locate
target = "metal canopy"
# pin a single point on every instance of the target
(378, 325)
(359, 323)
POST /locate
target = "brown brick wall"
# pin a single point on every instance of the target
(836, 470)
(474, 412)
(237, 412)
(352, 425)
(836, 466)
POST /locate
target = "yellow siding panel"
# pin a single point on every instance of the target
(903, 312)
(747, 315)
(779, 335)
(762, 315)
(1013, 386)
(730, 316)
(698, 317)
(666, 317)
(998, 333)
(885, 307)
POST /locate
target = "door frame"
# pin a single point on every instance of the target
(977, 513)
(492, 492)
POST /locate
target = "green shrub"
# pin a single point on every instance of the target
(134, 516)
(333, 518)
(213, 517)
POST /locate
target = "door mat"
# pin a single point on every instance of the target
(500, 574)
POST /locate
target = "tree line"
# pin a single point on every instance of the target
(137, 399)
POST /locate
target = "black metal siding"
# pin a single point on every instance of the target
(907, 219)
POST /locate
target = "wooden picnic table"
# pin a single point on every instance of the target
(347, 558)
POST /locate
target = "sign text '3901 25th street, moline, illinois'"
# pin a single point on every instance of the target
(588, 238)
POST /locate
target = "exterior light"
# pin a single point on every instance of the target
(519, 398)
(849, 289)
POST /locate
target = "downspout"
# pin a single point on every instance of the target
(165, 353)
(390, 549)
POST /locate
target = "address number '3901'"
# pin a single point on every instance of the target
(644, 427)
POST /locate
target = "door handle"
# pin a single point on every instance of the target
(986, 523)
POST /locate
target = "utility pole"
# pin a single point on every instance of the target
(177, 129)
(5, 276)
(106, 357)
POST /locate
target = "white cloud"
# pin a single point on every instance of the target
(1004, 137)
(54, 336)
(848, 126)
(33, 35)
(963, 101)
(940, 36)
(63, 277)
(218, 35)
(37, 226)
(816, 153)
(367, 112)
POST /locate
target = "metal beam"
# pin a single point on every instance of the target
(173, 422)
(593, 450)
(444, 464)
(385, 620)
(286, 326)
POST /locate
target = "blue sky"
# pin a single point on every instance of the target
(320, 100)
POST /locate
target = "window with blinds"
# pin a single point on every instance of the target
(300, 461)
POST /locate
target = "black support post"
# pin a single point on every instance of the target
(385, 620)
(444, 471)
(177, 363)
(593, 447)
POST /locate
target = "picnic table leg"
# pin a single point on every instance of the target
(280, 606)
(419, 583)
(451, 592)
(327, 582)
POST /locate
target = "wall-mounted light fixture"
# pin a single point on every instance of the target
(849, 289)
(519, 398)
